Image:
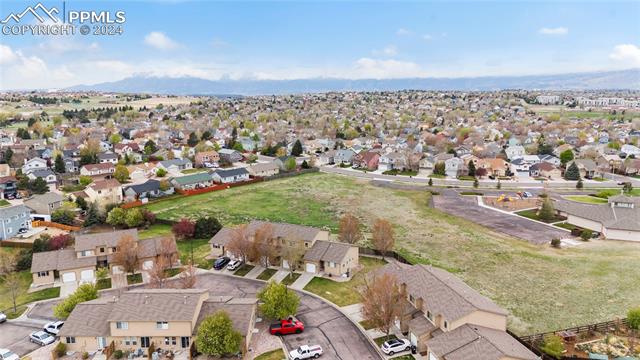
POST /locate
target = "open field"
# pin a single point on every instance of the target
(543, 288)
(586, 199)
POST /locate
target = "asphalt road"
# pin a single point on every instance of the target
(15, 337)
(324, 325)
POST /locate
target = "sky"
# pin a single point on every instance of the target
(337, 39)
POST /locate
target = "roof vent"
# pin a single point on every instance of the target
(185, 299)
(146, 299)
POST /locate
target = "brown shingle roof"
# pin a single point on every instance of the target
(89, 319)
(105, 184)
(240, 311)
(65, 259)
(151, 247)
(156, 305)
(280, 230)
(327, 251)
(109, 239)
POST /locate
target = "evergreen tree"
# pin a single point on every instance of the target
(92, 218)
(39, 186)
(572, 173)
(430, 182)
(296, 150)
(472, 168)
(579, 184)
(547, 211)
(59, 164)
(193, 140)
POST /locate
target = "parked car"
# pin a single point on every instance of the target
(53, 327)
(234, 264)
(3, 317)
(527, 194)
(393, 346)
(221, 262)
(286, 327)
(41, 338)
(23, 230)
(6, 354)
(306, 352)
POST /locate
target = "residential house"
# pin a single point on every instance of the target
(392, 161)
(143, 171)
(104, 192)
(366, 160)
(587, 167)
(71, 165)
(103, 170)
(175, 166)
(8, 187)
(108, 157)
(609, 163)
(454, 167)
(630, 166)
(495, 167)
(147, 190)
(93, 251)
(34, 164)
(629, 150)
(207, 158)
(327, 157)
(462, 150)
(12, 219)
(553, 160)
(562, 148)
(5, 170)
(46, 174)
(343, 156)
(229, 176)
(230, 156)
(426, 165)
(192, 181)
(167, 318)
(437, 305)
(619, 219)
(263, 169)
(335, 259)
(42, 206)
(281, 162)
(515, 151)
(545, 170)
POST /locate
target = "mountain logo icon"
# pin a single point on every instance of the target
(34, 10)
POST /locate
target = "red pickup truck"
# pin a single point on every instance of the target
(286, 327)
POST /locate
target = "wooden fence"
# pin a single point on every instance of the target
(16, 244)
(40, 223)
(391, 254)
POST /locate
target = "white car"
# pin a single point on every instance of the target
(234, 264)
(393, 346)
(3, 317)
(306, 352)
(41, 338)
(6, 354)
(53, 328)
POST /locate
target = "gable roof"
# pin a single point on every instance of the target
(156, 305)
(64, 259)
(193, 178)
(327, 251)
(230, 172)
(149, 185)
(109, 239)
(89, 319)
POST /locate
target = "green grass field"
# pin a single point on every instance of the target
(266, 274)
(277, 354)
(543, 288)
(201, 248)
(586, 199)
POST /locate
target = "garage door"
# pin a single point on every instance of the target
(86, 275)
(68, 277)
(147, 265)
(285, 264)
(310, 268)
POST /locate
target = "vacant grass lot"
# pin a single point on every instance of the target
(543, 288)
(201, 248)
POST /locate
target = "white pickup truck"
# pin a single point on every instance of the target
(306, 352)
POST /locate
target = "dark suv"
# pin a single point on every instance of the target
(221, 262)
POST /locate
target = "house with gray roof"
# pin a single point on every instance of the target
(192, 181)
(331, 258)
(147, 190)
(12, 219)
(175, 166)
(229, 176)
(439, 312)
(44, 205)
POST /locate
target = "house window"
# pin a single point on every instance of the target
(101, 249)
(43, 273)
(184, 342)
(162, 325)
(166, 341)
(446, 324)
(429, 315)
(412, 299)
(173, 340)
(130, 340)
(123, 325)
(70, 340)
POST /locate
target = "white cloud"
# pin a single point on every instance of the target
(403, 32)
(554, 31)
(7, 56)
(628, 54)
(62, 45)
(160, 41)
(427, 37)
(367, 68)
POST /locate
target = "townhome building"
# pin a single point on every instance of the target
(13, 219)
(263, 169)
(160, 318)
(441, 315)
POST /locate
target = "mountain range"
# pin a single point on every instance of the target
(622, 79)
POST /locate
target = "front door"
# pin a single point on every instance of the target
(144, 342)
(102, 343)
(184, 342)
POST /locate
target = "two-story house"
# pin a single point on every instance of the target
(8, 187)
(366, 160)
(104, 192)
(44, 205)
(103, 169)
(162, 318)
(440, 312)
(34, 164)
(207, 158)
(12, 219)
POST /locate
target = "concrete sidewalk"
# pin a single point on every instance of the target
(302, 281)
(257, 270)
(280, 275)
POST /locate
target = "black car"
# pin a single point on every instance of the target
(221, 262)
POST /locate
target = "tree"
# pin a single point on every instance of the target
(240, 245)
(381, 301)
(217, 337)
(60, 241)
(264, 250)
(10, 276)
(472, 168)
(158, 273)
(499, 185)
(84, 292)
(627, 188)
(382, 236)
(207, 227)
(579, 184)
(293, 252)
(116, 217)
(305, 165)
(553, 345)
(277, 301)
(476, 183)
(296, 150)
(547, 211)
(633, 318)
(439, 168)
(184, 229)
(187, 278)
(115, 138)
(586, 234)
(150, 147)
(59, 164)
(85, 180)
(39, 186)
(349, 229)
(92, 217)
(430, 182)
(8, 155)
(290, 164)
(81, 203)
(193, 140)
(134, 218)
(121, 173)
(573, 172)
(566, 156)
(161, 172)
(63, 216)
(126, 254)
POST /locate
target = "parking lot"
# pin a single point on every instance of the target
(15, 337)
(467, 207)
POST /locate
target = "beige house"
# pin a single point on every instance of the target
(441, 313)
(165, 318)
(321, 255)
(93, 251)
(104, 192)
(211, 157)
(104, 169)
(263, 169)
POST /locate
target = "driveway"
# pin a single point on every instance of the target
(15, 337)
(467, 207)
(324, 325)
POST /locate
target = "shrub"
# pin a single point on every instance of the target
(85, 355)
(118, 354)
(555, 242)
(633, 318)
(60, 349)
(586, 234)
(207, 227)
(553, 346)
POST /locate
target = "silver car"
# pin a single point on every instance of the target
(41, 338)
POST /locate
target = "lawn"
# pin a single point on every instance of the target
(380, 340)
(173, 271)
(134, 279)
(243, 270)
(201, 247)
(543, 288)
(586, 199)
(4, 202)
(277, 354)
(266, 274)
(154, 231)
(567, 226)
(6, 301)
(103, 284)
(605, 193)
(533, 214)
(290, 279)
(344, 293)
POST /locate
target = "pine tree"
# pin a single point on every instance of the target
(579, 184)
(572, 173)
(547, 211)
(472, 168)
(59, 164)
(296, 150)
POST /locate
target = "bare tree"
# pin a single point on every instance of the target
(127, 254)
(187, 278)
(168, 251)
(10, 277)
(292, 252)
(381, 301)
(349, 229)
(264, 248)
(382, 236)
(240, 244)
(157, 273)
